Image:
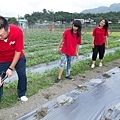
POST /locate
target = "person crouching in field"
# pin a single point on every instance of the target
(99, 41)
(69, 46)
(12, 56)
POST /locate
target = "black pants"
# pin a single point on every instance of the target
(98, 49)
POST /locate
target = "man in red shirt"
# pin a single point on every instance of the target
(69, 46)
(12, 56)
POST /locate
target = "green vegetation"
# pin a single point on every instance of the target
(40, 48)
(66, 17)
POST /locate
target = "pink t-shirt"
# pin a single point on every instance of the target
(14, 42)
(99, 35)
(70, 43)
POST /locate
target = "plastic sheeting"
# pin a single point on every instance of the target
(98, 99)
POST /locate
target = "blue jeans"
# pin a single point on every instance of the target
(21, 72)
(66, 59)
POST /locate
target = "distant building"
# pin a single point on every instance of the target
(23, 23)
(81, 20)
(87, 21)
(90, 21)
(109, 22)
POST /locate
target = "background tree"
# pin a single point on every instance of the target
(68, 17)
(12, 20)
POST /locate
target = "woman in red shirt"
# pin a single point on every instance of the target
(69, 46)
(99, 41)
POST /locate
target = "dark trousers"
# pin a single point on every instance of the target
(98, 49)
(21, 72)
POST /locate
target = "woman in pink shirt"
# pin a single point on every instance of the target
(69, 46)
(99, 41)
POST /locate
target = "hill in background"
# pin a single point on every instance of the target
(103, 9)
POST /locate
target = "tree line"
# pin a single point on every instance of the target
(68, 17)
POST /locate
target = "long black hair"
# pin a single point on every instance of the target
(77, 23)
(106, 25)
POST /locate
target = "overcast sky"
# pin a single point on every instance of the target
(13, 8)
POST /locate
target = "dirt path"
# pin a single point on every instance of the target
(46, 95)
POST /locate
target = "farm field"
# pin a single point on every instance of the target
(40, 47)
(44, 95)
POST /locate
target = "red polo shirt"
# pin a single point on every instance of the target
(99, 35)
(14, 42)
(70, 43)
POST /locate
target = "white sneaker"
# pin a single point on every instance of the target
(100, 64)
(93, 65)
(24, 98)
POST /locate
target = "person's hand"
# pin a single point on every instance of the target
(9, 73)
(58, 50)
(106, 46)
(92, 45)
(1, 82)
(77, 55)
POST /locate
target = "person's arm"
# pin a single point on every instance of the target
(92, 41)
(9, 71)
(93, 37)
(77, 51)
(1, 82)
(106, 41)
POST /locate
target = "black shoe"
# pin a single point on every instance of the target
(57, 80)
(70, 78)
